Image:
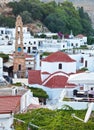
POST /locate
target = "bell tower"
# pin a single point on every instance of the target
(19, 68)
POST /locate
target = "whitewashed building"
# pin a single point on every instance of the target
(31, 44)
(53, 74)
(1, 67)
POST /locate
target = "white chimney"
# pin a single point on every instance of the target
(14, 91)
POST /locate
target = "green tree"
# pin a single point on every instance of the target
(4, 56)
(26, 17)
(85, 22)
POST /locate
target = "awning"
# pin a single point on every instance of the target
(82, 78)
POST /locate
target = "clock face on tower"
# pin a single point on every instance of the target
(19, 49)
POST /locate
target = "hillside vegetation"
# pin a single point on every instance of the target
(47, 119)
(57, 18)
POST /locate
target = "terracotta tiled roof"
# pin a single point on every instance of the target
(34, 77)
(9, 104)
(70, 85)
(79, 36)
(45, 72)
(57, 81)
(58, 57)
(33, 106)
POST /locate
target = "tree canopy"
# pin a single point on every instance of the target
(47, 119)
(57, 18)
(38, 92)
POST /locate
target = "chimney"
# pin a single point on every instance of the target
(14, 91)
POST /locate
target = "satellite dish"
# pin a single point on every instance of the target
(88, 113)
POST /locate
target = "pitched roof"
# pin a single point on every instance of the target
(58, 81)
(58, 57)
(45, 72)
(79, 36)
(70, 85)
(34, 106)
(9, 104)
(34, 77)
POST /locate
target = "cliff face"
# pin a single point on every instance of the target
(88, 6)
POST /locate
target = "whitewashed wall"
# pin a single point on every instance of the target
(27, 99)
(69, 67)
(1, 67)
(6, 120)
(74, 105)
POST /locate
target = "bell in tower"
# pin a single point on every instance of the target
(19, 68)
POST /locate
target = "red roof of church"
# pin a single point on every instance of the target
(79, 36)
(57, 81)
(58, 57)
(9, 104)
(34, 77)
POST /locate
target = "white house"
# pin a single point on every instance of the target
(6, 120)
(1, 67)
(84, 60)
(53, 74)
(31, 44)
(14, 100)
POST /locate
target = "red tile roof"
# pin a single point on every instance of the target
(58, 57)
(9, 104)
(34, 77)
(45, 72)
(70, 85)
(57, 81)
(79, 36)
(33, 106)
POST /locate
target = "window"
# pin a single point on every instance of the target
(18, 30)
(81, 88)
(76, 44)
(29, 50)
(82, 59)
(91, 88)
(60, 66)
(2, 32)
(34, 48)
(19, 67)
(85, 63)
(34, 42)
(71, 44)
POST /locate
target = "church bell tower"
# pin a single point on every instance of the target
(19, 68)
